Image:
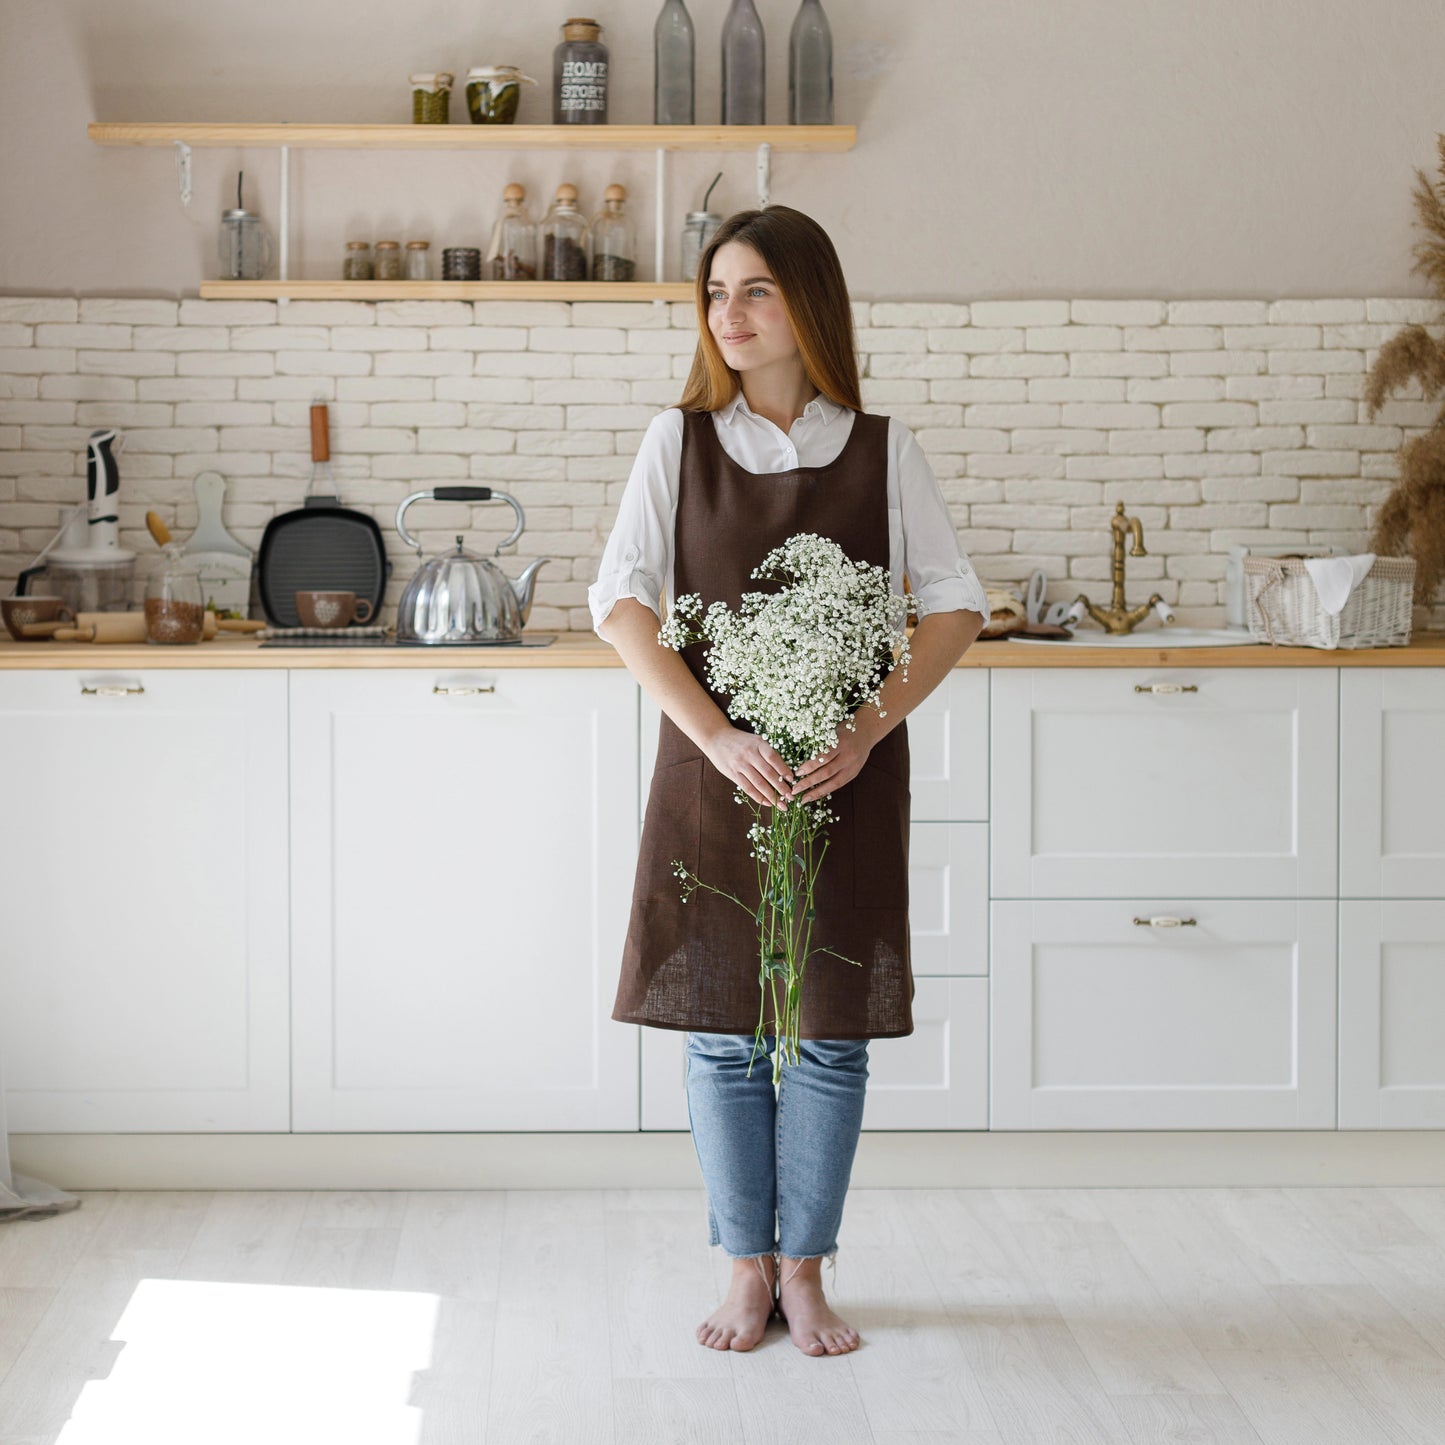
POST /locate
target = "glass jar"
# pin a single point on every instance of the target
(388, 261)
(613, 252)
(357, 265)
(418, 260)
(175, 610)
(494, 92)
(461, 263)
(431, 97)
(672, 65)
(512, 255)
(244, 246)
(563, 232)
(810, 67)
(743, 84)
(579, 75)
(697, 232)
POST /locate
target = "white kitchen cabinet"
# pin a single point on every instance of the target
(143, 966)
(463, 847)
(1136, 782)
(1392, 1014)
(936, 1078)
(947, 747)
(1392, 782)
(1107, 1017)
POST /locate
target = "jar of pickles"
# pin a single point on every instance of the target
(357, 264)
(431, 97)
(494, 92)
(388, 261)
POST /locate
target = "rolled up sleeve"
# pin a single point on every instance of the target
(939, 572)
(637, 559)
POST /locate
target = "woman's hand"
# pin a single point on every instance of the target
(751, 764)
(839, 765)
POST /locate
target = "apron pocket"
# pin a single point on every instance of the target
(671, 829)
(881, 805)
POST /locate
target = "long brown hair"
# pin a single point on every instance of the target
(801, 259)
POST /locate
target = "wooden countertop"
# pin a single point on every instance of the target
(585, 649)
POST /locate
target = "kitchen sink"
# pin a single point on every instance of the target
(1149, 637)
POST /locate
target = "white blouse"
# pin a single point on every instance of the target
(638, 559)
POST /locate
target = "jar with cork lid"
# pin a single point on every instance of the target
(564, 238)
(579, 75)
(356, 266)
(512, 255)
(388, 261)
(614, 254)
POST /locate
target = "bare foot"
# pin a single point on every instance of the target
(815, 1329)
(739, 1322)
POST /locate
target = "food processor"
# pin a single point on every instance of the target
(89, 569)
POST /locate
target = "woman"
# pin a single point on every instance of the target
(770, 439)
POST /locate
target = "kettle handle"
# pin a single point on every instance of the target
(460, 494)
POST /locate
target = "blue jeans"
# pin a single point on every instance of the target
(775, 1163)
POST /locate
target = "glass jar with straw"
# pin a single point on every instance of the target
(697, 231)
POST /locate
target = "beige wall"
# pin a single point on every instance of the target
(1054, 148)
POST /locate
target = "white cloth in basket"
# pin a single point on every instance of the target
(1336, 577)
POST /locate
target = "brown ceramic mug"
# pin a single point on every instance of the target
(25, 617)
(331, 609)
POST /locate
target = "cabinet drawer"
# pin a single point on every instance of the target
(1392, 1014)
(936, 1078)
(947, 746)
(1100, 1022)
(1392, 784)
(1105, 787)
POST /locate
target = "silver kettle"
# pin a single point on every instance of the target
(461, 597)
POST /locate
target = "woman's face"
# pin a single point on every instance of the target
(745, 311)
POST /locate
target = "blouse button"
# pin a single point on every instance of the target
(630, 555)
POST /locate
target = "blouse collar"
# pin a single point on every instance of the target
(820, 407)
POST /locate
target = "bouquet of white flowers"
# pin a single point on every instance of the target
(797, 664)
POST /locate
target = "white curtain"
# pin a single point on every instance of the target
(20, 1196)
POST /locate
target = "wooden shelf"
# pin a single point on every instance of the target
(446, 290)
(818, 138)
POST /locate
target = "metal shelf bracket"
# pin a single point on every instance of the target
(765, 174)
(183, 171)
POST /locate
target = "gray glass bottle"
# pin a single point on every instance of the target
(673, 66)
(743, 71)
(810, 67)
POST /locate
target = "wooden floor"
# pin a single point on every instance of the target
(990, 1316)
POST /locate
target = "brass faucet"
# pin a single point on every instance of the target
(1117, 617)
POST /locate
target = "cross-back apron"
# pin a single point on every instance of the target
(695, 965)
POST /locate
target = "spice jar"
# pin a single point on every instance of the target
(388, 261)
(418, 260)
(697, 231)
(431, 97)
(494, 92)
(613, 253)
(175, 610)
(512, 255)
(357, 265)
(564, 238)
(579, 75)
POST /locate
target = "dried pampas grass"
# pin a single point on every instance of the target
(1412, 519)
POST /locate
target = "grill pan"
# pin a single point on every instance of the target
(321, 546)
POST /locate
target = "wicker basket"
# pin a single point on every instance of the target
(1284, 607)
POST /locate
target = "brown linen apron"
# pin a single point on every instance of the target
(695, 965)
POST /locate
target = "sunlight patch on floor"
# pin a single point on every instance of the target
(233, 1363)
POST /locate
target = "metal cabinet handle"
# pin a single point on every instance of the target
(462, 691)
(108, 690)
(1166, 687)
(1166, 922)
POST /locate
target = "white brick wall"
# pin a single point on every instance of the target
(1213, 421)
